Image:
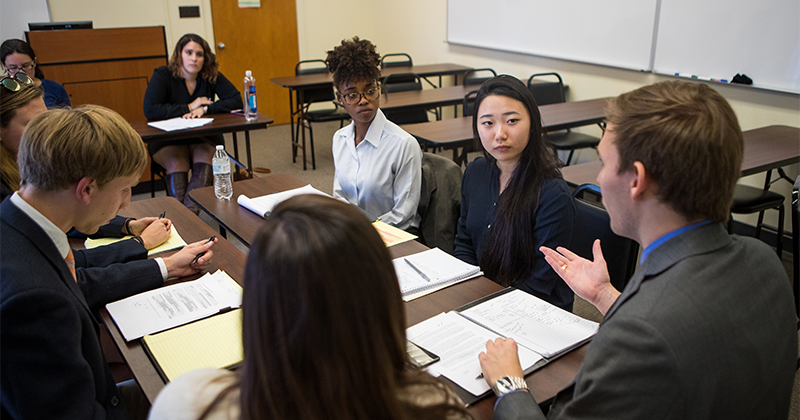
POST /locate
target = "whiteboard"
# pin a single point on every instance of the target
(615, 33)
(720, 38)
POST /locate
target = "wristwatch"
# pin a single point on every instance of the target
(507, 384)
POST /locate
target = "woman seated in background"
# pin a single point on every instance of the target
(514, 200)
(378, 166)
(323, 338)
(20, 101)
(17, 56)
(186, 88)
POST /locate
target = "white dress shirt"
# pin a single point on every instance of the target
(382, 175)
(58, 237)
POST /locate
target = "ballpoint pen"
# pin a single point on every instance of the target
(424, 276)
(197, 257)
(163, 213)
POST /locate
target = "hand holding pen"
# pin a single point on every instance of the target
(153, 231)
(193, 258)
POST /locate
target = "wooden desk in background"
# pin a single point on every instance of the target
(244, 224)
(297, 86)
(226, 257)
(765, 149)
(223, 123)
(457, 132)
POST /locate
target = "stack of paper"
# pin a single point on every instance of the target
(178, 304)
(179, 123)
(391, 235)
(263, 205)
(429, 271)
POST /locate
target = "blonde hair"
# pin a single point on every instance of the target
(61, 146)
(10, 102)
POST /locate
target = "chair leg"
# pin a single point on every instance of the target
(760, 221)
(780, 231)
(311, 143)
(569, 158)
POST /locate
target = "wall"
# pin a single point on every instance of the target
(418, 27)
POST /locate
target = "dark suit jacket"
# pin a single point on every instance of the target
(52, 364)
(705, 329)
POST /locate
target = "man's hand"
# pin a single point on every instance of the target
(152, 230)
(180, 264)
(500, 359)
(588, 279)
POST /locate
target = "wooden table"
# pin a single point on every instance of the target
(765, 149)
(226, 257)
(457, 132)
(304, 82)
(244, 224)
(223, 123)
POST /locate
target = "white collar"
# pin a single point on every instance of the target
(57, 235)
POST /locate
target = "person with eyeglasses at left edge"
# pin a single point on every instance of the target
(18, 57)
(378, 166)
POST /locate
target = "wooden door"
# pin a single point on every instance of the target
(263, 40)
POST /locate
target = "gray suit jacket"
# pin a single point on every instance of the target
(705, 329)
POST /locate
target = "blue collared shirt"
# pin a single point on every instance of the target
(655, 244)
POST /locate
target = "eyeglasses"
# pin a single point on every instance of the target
(12, 83)
(24, 67)
(352, 98)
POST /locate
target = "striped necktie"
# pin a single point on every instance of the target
(70, 259)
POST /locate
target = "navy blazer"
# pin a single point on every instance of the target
(52, 363)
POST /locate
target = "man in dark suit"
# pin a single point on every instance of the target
(705, 328)
(77, 168)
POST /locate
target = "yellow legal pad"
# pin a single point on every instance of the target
(392, 235)
(173, 241)
(211, 342)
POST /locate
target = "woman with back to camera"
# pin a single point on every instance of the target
(514, 199)
(186, 88)
(378, 166)
(322, 338)
(18, 56)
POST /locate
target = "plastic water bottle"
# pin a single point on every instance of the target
(250, 107)
(223, 187)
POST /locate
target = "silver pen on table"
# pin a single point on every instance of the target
(424, 276)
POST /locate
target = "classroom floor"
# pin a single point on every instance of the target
(272, 150)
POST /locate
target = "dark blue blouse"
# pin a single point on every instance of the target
(554, 220)
(55, 96)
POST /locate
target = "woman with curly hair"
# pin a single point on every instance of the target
(322, 338)
(378, 166)
(187, 88)
(514, 200)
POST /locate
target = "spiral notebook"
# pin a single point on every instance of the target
(429, 271)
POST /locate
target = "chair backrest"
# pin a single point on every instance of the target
(478, 76)
(440, 201)
(396, 63)
(314, 94)
(403, 82)
(469, 103)
(545, 92)
(592, 222)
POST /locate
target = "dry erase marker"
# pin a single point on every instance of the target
(428, 279)
(197, 257)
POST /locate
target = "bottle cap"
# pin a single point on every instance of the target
(220, 147)
(248, 73)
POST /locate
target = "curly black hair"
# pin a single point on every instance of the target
(355, 60)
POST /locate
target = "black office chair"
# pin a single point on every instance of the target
(748, 200)
(592, 222)
(478, 76)
(547, 93)
(403, 82)
(469, 103)
(318, 95)
(408, 62)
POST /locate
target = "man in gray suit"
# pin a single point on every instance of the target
(705, 328)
